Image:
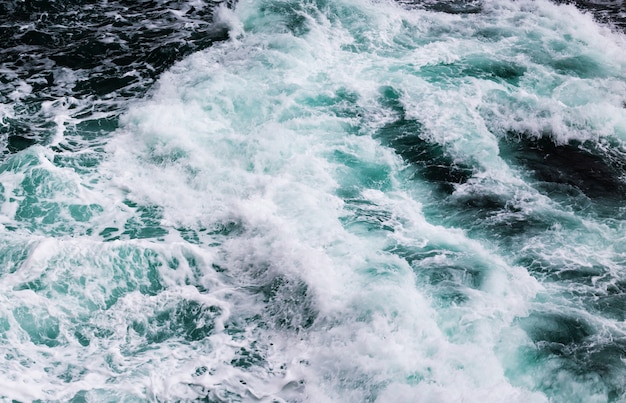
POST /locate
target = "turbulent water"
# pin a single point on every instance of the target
(323, 201)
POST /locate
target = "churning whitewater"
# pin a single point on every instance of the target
(325, 201)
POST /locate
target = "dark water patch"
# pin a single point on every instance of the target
(104, 85)
(556, 331)
(288, 303)
(434, 164)
(109, 233)
(415, 255)
(450, 7)
(478, 66)
(470, 209)
(246, 359)
(594, 286)
(482, 202)
(93, 55)
(20, 135)
(598, 290)
(448, 295)
(564, 272)
(568, 196)
(12, 256)
(146, 223)
(581, 165)
(448, 276)
(293, 16)
(226, 228)
(509, 228)
(81, 335)
(609, 306)
(605, 11)
(506, 219)
(599, 356)
(579, 350)
(80, 397)
(18, 143)
(283, 300)
(578, 66)
(407, 137)
(366, 217)
(146, 277)
(189, 320)
(609, 301)
(80, 163)
(189, 235)
(342, 103)
(72, 373)
(450, 283)
(564, 381)
(162, 155)
(472, 277)
(495, 33)
(571, 172)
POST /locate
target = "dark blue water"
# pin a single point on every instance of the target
(89, 58)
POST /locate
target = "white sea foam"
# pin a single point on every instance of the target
(254, 277)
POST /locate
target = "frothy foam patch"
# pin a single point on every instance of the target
(255, 230)
(215, 135)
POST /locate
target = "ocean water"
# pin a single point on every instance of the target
(313, 201)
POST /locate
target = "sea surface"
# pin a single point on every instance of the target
(313, 201)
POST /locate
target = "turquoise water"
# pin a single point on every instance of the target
(343, 201)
